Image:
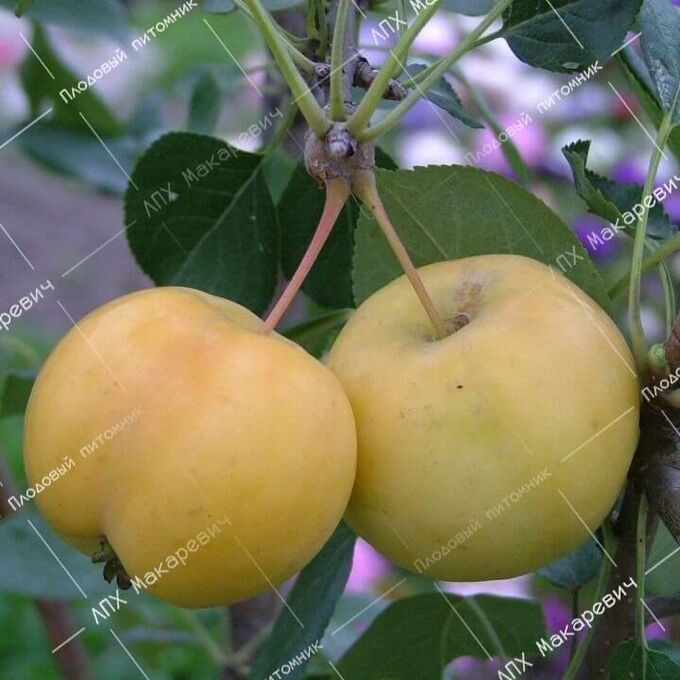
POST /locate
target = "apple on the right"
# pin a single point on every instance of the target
(492, 451)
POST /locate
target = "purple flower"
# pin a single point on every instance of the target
(655, 631)
(557, 614)
(12, 48)
(592, 232)
(530, 142)
(629, 171)
(368, 568)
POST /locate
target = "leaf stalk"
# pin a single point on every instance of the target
(302, 95)
(360, 119)
(337, 193)
(436, 71)
(639, 341)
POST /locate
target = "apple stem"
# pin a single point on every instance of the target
(337, 193)
(366, 190)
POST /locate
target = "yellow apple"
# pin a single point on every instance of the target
(485, 454)
(216, 461)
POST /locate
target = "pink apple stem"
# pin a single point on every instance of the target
(337, 193)
(366, 190)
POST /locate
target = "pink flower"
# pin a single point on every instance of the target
(368, 568)
(12, 47)
(530, 141)
(438, 36)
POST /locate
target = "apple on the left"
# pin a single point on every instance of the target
(189, 439)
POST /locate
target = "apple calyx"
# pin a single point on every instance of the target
(113, 567)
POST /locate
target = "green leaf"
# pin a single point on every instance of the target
(329, 283)
(202, 217)
(15, 390)
(663, 564)
(205, 104)
(638, 77)
(313, 599)
(610, 200)
(631, 661)
(475, 212)
(384, 160)
(576, 568)
(660, 26)
(443, 95)
(585, 181)
(226, 6)
(472, 8)
(28, 568)
(670, 649)
(79, 154)
(567, 35)
(42, 90)
(20, 7)
(105, 18)
(419, 636)
(317, 335)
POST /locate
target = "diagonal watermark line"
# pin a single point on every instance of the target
(56, 557)
(358, 9)
(295, 141)
(512, 212)
(463, 621)
(588, 313)
(637, 120)
(14, 243)
(67, 640)
(91, 346)
(94, 252)
(670, 422)
(424, 96)
(174, 238)
(337, 672)
(653, 615)
(566, 25)
(200, 492)
(660, 562)
(37, 56)
(127, 651)
(233, 58)
(26, 127)
(597, 434)
(628, 42)
(580, 519)
(367, 607)
(269, 581)
(115, 160)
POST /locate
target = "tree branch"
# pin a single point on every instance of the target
(365, 74)
(617, 623)
(653, 472)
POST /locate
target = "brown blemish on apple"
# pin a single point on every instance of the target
(467, 301)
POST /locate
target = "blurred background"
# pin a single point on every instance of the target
(61, 214)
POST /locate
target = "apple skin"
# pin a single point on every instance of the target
(539, 385)
(226, 428)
